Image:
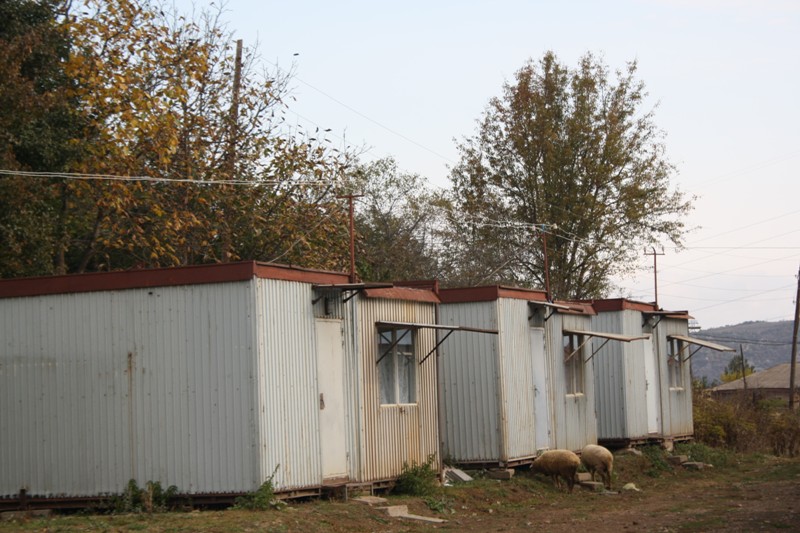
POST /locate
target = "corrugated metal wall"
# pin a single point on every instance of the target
(677, 419)
(287, 398)
(469, 384)
(396, 434)
(574, 423)
(620, 378)
(611, 380)
(150, 384)
(516, 367)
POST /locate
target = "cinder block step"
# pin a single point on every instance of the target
(594, 486)
(506, 473)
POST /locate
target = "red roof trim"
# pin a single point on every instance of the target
(489, 293)
(161, 277)
(403, 293)
(576, 308)
(621, 304)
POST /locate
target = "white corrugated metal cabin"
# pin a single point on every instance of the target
(211, 378)
(643, 389)
(505, 397)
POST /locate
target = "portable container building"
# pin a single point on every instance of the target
(504, 398)
(643, 389)
(211, 378)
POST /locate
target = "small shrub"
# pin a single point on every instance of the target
(417, 479)
(152, 498)
(746, 426)
(658, 460)
(705, 454)
(440, 504)
(262, 499)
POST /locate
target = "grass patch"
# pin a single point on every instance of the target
(418, 479)
(657, 457)
(151, 498)
(703, 453)
(262, 499)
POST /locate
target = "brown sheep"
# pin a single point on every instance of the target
(558, 464)
(598, 459)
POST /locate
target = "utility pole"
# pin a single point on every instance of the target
(350, 198)
(744, 370)
(546, 265)
(793, 365)
(655, 271)
(233, 134)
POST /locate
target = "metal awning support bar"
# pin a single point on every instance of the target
(421, 325)
(601, 335)
(578, 349)
(417, 325)
(605, 341)
(391, 346)
(352, 295)
(659, 318)
(437, 345)
(354, 288)
(549, 305)
(691, 354)
(700, 343)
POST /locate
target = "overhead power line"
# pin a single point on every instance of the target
(150, 179)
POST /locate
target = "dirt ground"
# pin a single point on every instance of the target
(753, 493)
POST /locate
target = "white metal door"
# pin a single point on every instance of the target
(330, 376)
(541, 391)
(653, 388)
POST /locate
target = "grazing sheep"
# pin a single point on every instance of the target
(555, 463)
(598, 459)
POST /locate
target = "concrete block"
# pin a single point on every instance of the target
(370, 500)
(456, 475)
(693, 465)
(506, 473)
(594, 486)
(584, 476)
(628, 451)
(396, 510)
(677, 459)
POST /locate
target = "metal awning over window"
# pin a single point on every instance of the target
(553, 307)
(354, 288)
(700, 343)
(418, 325)
(601, 335)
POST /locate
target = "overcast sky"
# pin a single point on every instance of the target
(407, 78)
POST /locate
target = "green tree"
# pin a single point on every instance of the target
(38, 128)
(395, 223)
(737, 367)
(569, 152)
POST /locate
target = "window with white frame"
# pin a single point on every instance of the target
(675, 363)
(573, 363)
(397, 366)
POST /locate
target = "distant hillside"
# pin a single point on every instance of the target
(765, 344)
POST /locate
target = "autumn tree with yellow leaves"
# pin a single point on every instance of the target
(184, 169)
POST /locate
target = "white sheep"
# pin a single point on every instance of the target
(598, 459)
(555, 463)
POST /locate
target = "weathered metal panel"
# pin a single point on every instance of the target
(287, 398)
(517, 388)
(399, 433)
(677, 417)
(610, 380)
(575, 423)
(636, 380)
(469, 385)
(146, 384)
(623, 397)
